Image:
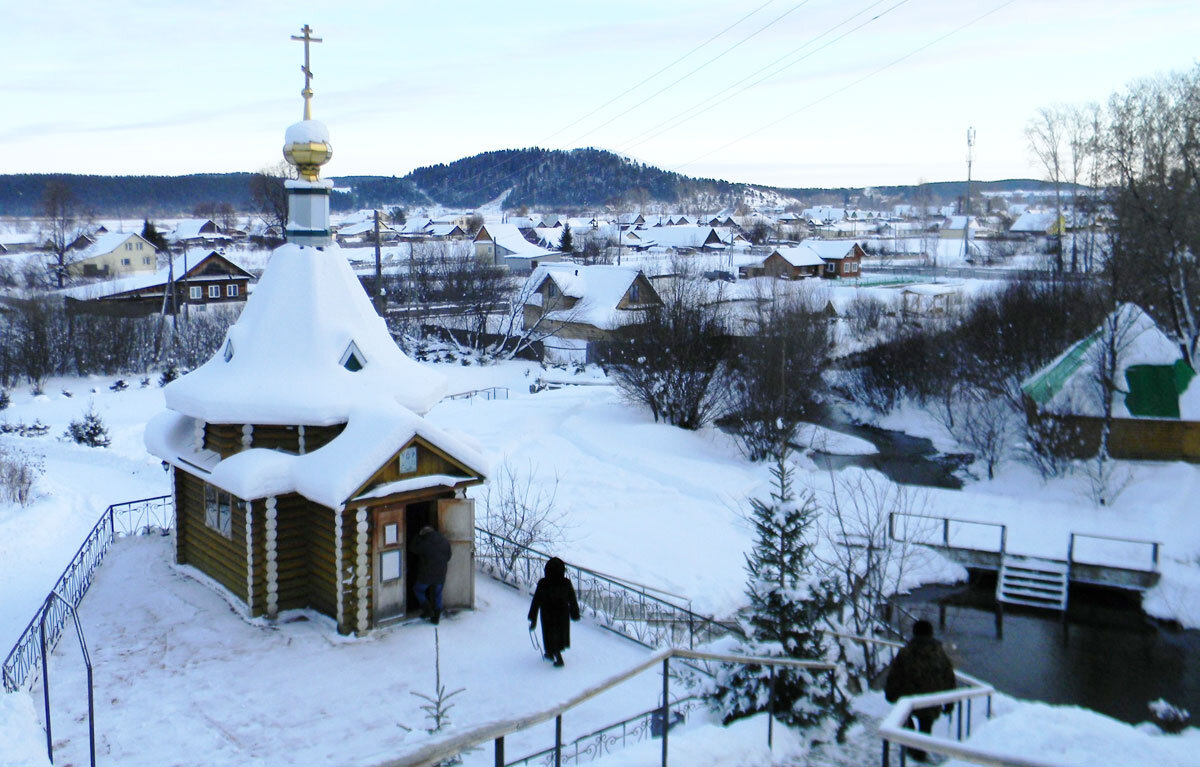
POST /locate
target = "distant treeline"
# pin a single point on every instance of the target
(585, 179)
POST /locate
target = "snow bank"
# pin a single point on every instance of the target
(1076, 736)
(21, 741)
(838, 443)
(743, 743)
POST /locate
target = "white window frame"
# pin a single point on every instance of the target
(218, 511)
(125, 262)
(195, 292)
(231, 290)
(214, 291)
(146, 260)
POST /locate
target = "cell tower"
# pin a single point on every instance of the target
(966, 252)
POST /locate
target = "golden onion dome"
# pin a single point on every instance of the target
(306, 146)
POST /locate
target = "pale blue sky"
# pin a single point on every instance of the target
(135, 86)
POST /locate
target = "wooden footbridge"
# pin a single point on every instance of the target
(1028, 579)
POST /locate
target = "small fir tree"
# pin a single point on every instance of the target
(567, 243)
(151, 235)
(89, 430)
(788, 605)
(169, 374)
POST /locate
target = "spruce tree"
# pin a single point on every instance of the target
(788, 606)
(567, 243)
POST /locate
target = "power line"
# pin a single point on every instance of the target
(701, 106)
(846, 87)
(630, 89)
(675, 82)
(656, 74)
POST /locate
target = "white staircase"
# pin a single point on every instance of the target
(1033, 582)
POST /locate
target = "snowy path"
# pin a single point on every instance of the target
(179, 673)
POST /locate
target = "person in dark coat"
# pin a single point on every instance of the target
(921, 667)
(555, 599)
(431, 552)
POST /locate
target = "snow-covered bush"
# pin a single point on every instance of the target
(169, 374)
(1170, 718)
(18, 472)
(89, 430)
(119, 385)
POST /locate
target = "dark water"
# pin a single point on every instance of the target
(1107, 655)
(902, 457)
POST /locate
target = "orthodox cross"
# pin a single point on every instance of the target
(307, 93)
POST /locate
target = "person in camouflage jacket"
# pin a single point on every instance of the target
(921, 667)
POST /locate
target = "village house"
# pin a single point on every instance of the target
(952, 228)
(114, 254)
(830, 259)
(585, 303)
(1038, 225)
(504, 245)
(362, 233)
(201, 280)
(302, 467)
(198, 233)
(682, 239)
(1155, 405)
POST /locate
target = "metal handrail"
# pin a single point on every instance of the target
(76, 579)
(633, 612)
(945, 529)
(892, 729)
(435, 753)
(1155, 546)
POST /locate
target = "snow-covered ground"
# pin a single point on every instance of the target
(181, 673)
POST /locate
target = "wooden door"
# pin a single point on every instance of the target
(388, 571)
(456, 521)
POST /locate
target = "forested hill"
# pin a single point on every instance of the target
(580, 178)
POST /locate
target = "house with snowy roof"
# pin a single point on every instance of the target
(587, 303)
(198, 233)
(302, 465)
(504, 245)
(683, 239)
(363, 233)
(952, 228)
(1155, 403)
(114, 254)
(830, 259)
(1038, 224)
(196, 279)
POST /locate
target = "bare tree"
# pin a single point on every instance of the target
(61, 226)
(1046, 134)
(268, 195)
(519, 510)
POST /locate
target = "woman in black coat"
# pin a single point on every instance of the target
(555, 598)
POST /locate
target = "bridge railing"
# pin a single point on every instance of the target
(490, 393)
(948, 531)
(1129, 553)
(639, 612)
(145, 515)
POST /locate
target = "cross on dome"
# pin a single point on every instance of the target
(307, 93)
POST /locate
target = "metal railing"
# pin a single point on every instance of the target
(893, 728)
(638, 612)
(944, 525)
(607, 740)
(138, 517)
(1155, 546)
(490, 393)
(495, 732)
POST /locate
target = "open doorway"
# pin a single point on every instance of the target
(416, 516)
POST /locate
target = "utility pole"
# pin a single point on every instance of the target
(380, 306)
(967, 206)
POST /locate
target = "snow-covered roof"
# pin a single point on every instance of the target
(599, 289)
(1068, 385)
(1035, 223)
(105, 243)
(363, 227)
(289, 347)
(685, 236)
(442, 230)
(179, 268)
(959, 222)
(189, 229)
(799, 255)
(416, 226)
(374, 432)
(510, 238)
(830, 250)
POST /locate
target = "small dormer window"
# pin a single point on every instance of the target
(228, 350)
(353, 359)
(552, 290)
